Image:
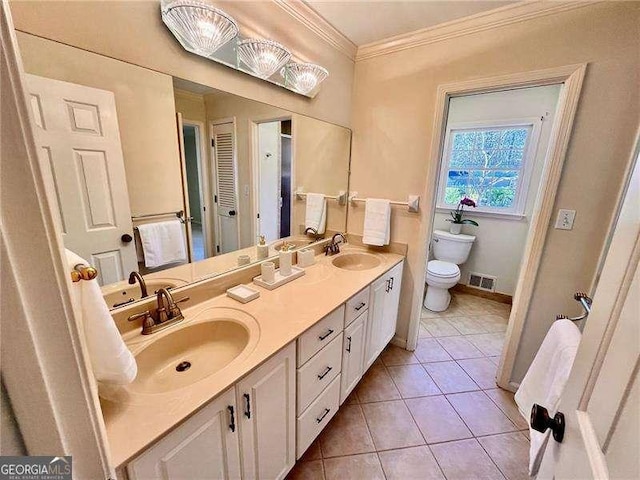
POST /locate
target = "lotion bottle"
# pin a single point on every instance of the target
(263, 248)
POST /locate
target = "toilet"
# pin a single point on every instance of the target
(449, 251)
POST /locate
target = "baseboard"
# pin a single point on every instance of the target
(495, 296)
(399, 342)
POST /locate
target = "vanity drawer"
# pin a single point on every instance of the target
(317, 416)
(355, 306)
(317, 373)
(321, 334)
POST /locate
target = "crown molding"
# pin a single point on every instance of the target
(308, 17)
(507, 15)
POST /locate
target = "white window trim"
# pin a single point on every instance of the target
(528, 160)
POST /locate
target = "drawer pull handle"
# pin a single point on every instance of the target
(349, 345)
(388, 287)
(247, 410)
(359, 307)
(322, 337)
(324, 414)
(232, 423)
(325, 373)
(393, 281)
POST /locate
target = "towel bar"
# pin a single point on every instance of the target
(341, 197)
(585, 301)
(179, 214)
(413, 202)
(83, 272)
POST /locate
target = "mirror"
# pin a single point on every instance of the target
(171, 179)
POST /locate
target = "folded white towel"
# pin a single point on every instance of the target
(545, 381)
(111, 360)
(163, 243)
(316, 212)
(377, 222)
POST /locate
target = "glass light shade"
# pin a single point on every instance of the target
(199, 27)
(304, 77)
(263, 57)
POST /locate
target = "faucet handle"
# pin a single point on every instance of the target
(174, 310)
(138, 316)
(147, 321)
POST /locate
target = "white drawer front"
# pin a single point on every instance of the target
(317, 416)
(321, 334)
(317, 373)
(356, 306)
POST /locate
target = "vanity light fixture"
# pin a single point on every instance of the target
(304, 77)
(263, 57)
(200, 28)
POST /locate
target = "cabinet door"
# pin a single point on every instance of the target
(205, 447)
(353, 355)
(391, 303)
(267, 417)
(374, 336)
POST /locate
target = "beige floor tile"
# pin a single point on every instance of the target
(510, 452)
(426, 313)
(481, 370)
(495, 359)
(312, 453)
(480, 414)
(459, 347)
(526, 433)
(307, 471)
(391, 425)
(465, 460)
(352, 398)
(493, 323)
(437, 419)
(429, 350)
(376, 386)
(393, 355)
(450, 377)
(413, 381)
(439, 327)
(467, 325)
(423, 332)
(488, 343)
(365, 466)
(505, 402)
(409, 464)
(346, 434)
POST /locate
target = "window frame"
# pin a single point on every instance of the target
(517, 211)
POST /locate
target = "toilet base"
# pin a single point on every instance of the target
(437, 299)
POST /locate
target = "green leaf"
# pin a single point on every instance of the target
(470, 222)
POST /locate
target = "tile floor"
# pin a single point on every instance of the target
(435, 413)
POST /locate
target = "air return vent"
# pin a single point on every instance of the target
(482, 281)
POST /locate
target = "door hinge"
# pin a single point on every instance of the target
(258, 215)
(215, 198)
(204, 209)
(217, 248)
(213, 142)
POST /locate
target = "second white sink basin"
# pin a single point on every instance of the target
(356, 261)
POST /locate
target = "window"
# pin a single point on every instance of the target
(490, 164)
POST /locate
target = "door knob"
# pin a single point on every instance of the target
(540, 421)
(232, 213)
(126, 238)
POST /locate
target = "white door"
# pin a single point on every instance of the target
(391, 303)
(185, 187)
(269, 188)
(267, 417)
(223, 144)
(353, 355)
(77, 131)
(205, 447)
(601, 402)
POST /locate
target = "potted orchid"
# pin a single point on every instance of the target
(456, 216)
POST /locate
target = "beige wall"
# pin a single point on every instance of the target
(393, 112)
(191, 106)
(146, 116)
(133, 31)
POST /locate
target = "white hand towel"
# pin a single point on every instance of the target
(545, 380)
(377, 222)
(111, 360)
(316, 212)
(163, 243)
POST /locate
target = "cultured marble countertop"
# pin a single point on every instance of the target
(135, 421)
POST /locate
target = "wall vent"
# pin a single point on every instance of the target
(482, 281)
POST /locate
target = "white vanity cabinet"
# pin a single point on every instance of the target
(353, 347)
(205, 447)
(384, 300)
(266, 400)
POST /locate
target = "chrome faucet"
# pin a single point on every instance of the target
(166, 313)
(133, 276)
(316, 236)
(334, 246)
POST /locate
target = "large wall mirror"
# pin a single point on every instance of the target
(174, 180)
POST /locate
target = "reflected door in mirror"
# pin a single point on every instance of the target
(223, 145)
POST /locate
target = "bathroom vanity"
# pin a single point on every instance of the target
(307, 345)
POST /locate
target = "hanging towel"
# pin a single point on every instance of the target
(545, 380)
(377, 222)
(163, 243)
(316, 214)
(111, 360)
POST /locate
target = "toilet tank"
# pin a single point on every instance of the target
(451, 248)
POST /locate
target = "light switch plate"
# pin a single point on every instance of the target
(565, 219)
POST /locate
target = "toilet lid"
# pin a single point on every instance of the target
(442, 269)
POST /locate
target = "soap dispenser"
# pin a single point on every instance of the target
(263, 248)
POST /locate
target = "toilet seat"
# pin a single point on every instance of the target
(440, 269)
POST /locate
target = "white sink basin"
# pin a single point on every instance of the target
(356, 261)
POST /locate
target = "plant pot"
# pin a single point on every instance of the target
(455, 228)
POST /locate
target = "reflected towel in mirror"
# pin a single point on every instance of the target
(316, 213)
(163, 243)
